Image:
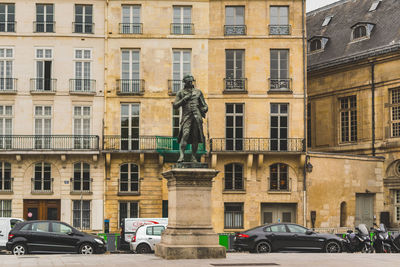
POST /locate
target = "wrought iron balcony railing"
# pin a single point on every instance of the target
(235, 29)
(182, 28)
(42, 185)
(83, 27)
(6, 185)
(256, 145)
(44, 26)
(130, 86)
(8, 26)
(48, 142)
(128, 187)
(235, 85)
(279, 84)
(233, 185)
(81, 186)
(8, 85)
(41, 85)
(120, 143)
(174, 86)
(279, 185)
(275, 29)
(131, 28)
(82, 86)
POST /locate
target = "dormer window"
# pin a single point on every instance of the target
(317, 43)
(361, 31)
(326, 21)
(375, 5)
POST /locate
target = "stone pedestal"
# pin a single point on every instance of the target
(189, 234)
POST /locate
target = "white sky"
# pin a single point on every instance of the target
(314, 4)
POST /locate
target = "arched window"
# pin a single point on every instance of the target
(279, 177)
(5, 176)
(129, 178)
(359, 32)
(42, 177)
(234, 176)
(315, 45)
(343, 214)
(81, 178)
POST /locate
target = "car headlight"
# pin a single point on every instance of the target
(99, 241)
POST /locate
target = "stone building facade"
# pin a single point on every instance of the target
(353, 93)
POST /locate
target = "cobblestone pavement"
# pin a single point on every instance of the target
(233, 259)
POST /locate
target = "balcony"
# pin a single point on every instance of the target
(8, 85)
(41, 26)
(81, 186)
(235, 85)
(43, 86)
(118, 143)
(6, 185)
(130, 87)
(8, 26)
(42, 186)
(82, 86)
(174, 86)
(280, 84)
(53, 143)
(279, 29)
(235, 29)
(128, 187)
(82, 27)
(131, 28)
(256, 145)
(182, 28)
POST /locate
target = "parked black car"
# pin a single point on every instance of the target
(51, 237)
(288, 237)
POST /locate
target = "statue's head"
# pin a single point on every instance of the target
(188, 81)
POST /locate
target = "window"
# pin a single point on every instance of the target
(348, 119)
(42, 177)
(309, 125)
(315, 45)
(44, 81)
(395, 111)
(279, 20)
(359, 32)
(234, 127)
(60, 228)
(5, 177)
(41, 227)
(6, 69)
(5, 208)
(280, 228)
(131, 19)
(279, 62)
(7, 17)
(234, 176)
(83, 62)
(6, 118)
(129, 178)
(43, 116)
(81, 180)
(296, 229)
(44, 18)
(397, 204)
(234, 60)
(83, 19)
(327, 20)
(181, 67)
(82, 127)
(130, 126)
(155, 230)
(279, 177)
(130, 76)
(128, 210)
(374, 5)
(343, 214)
(176, 117)
(182, 21)
(279, 127)
(233, 216)
(234, 20)
(81, 214)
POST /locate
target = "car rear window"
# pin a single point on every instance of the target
(13, 222)
(155, 230)
(26, 227)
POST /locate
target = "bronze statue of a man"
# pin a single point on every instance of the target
(194, 109)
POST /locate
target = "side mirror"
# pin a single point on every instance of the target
(70, 233)
(309, 232)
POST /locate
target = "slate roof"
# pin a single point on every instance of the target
(385, 36)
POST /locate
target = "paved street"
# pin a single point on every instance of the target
(233, 259)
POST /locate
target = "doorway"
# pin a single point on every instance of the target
(42, 209)
(365, 209)
(278, 213)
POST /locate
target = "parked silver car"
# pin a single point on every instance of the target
(146, 237)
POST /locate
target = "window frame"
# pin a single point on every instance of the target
(6, 69)
(134, 26)
(176, 117)
(279, 177)
(6, 120)
(234, 177)
(281, 142)
(84, 18)
(346, 136)
(80, 224)
(279, 14)
(44, 58)
(42, 179)
(128, 210)
(234, 225)
(179, 26)
(42, 139)
(358, 32)
(8, 23)
(83, 169)
(45, 22)
(234, 127)
(133, 142)
(5, 167)
(129, 180)
(397, 205)
(394, 107)
(3, 211)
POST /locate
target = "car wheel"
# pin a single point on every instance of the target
(19, 249)
(86, 249)
(333, 247)
(263, 247)
(143, 249)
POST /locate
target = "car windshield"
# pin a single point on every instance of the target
(363, 229)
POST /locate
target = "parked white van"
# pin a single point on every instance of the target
(6, 224)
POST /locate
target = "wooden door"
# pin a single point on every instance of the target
(365, 209)
(42, 209)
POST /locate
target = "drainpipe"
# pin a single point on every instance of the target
(373, 105)
(305, 112)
